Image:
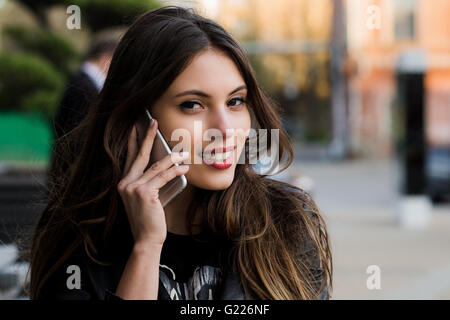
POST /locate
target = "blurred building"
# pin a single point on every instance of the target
(290, 32)
(378, 33)
(288, 45)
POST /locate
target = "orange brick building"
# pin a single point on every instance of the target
(379, 32)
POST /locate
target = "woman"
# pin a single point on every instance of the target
(230, 234)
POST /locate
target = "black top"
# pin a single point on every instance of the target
(192, 267)
(189, 269)
(79, 94)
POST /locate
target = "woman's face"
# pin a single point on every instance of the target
(214, 116)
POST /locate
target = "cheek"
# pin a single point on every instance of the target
(245, 122)
(179, 133)
(242, 128)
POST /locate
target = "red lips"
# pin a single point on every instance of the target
(225, 164)
(221, 165)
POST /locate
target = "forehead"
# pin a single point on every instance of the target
(211, 71)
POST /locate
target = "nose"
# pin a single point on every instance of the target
(220, 121)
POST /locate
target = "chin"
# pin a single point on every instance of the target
(211, 179)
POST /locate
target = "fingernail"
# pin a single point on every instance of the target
(152, 123)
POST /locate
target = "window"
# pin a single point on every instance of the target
(404, 19)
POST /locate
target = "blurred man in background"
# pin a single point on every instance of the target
(84, 86)
(82, 90)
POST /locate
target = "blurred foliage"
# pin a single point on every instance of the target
(98, 14)
(34, 70)
(42, 100)
(45, 44)
(24, 77)
(101, 14)
(38, 8)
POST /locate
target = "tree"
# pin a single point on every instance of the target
(34, 70)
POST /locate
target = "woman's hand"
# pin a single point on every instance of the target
(139, 190)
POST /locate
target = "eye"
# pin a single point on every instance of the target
(190, 105)
(239, 99)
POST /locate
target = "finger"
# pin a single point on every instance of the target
(143, 155)
(165, 176)
(131, 152)
(162, 165)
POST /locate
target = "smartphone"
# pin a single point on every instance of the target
(160, 149)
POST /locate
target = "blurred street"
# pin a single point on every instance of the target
(363, 90)
(357, 199)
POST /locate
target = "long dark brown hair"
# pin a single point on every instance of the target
(279, 236)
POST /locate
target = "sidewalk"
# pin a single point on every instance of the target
(357, 199)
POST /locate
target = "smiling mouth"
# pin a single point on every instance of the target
(219, 158)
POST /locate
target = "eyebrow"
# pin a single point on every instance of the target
(203, 94)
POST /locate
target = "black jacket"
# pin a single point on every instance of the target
(100, 282)
(80, 93)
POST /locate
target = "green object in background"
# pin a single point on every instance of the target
(25, 138)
